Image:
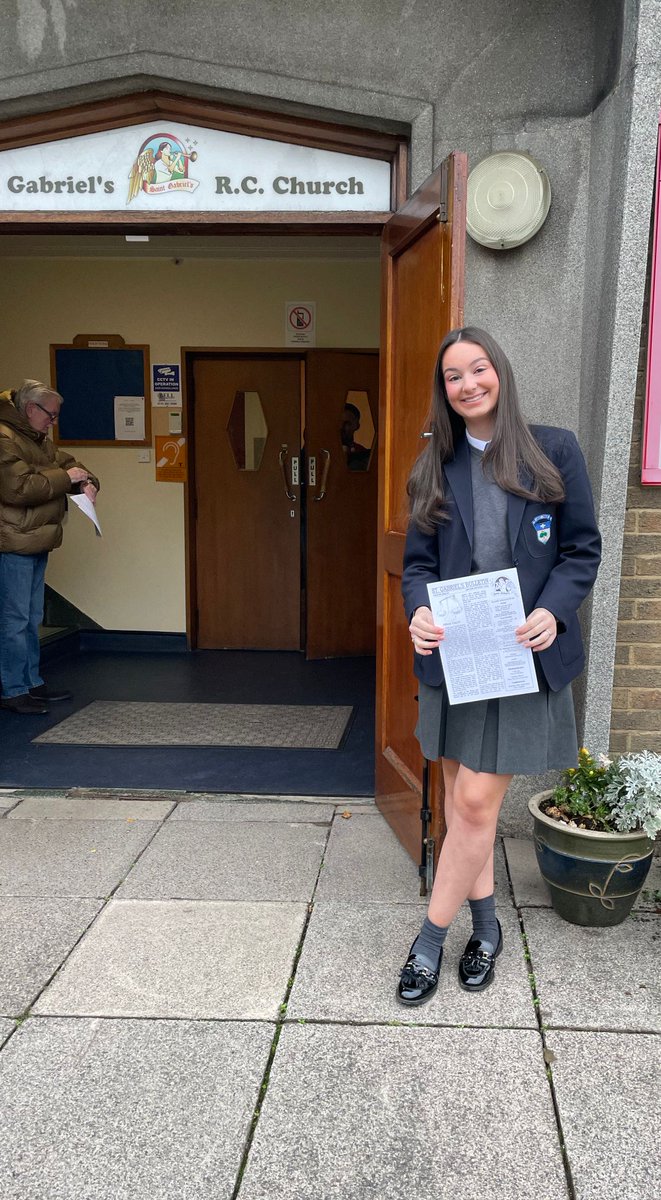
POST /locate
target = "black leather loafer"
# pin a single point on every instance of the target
(417, 981)
(45, 694)
(478, 962)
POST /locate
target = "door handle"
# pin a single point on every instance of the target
(324, 476)
(281, 459)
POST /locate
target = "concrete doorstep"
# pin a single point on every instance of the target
(197, 999)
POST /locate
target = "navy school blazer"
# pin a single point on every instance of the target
(556, 574)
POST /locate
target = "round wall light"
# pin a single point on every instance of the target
(509, 196)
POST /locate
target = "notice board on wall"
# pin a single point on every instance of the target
(105, 385)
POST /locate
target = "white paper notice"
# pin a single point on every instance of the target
(129, 418)
(300, 323)
(480, 655)
(85, 505)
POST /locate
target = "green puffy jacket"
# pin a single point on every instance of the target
(33, 485)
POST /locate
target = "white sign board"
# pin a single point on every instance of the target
(129, 418)
(166, 387)
(155, 168)
(300, 323)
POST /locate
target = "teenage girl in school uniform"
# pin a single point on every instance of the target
(489, 492)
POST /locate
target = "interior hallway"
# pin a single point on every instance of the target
(238, 677)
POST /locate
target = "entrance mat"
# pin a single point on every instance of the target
(287, 726)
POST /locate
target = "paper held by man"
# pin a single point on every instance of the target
(87, 507)
(480, 655)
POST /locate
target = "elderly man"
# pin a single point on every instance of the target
(35, 477)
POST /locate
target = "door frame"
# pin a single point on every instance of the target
(189, 355)
(133, 109)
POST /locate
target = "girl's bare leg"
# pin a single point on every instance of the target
(485, 883)
(465, 867)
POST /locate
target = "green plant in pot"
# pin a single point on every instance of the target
(594, 835)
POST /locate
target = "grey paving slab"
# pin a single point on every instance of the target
(365, 861)
(219, 861)
(610, 1117)
(202, 959)
(252, 810)
(68, 858)
(6, 1027)
(531, 891)
(352, 956)
(596, 978)
(8, 800)
(90, 808)
(35, 937)
(528, 886)
(127, 1110)
(379, 1113)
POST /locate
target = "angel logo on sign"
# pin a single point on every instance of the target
(162, 166)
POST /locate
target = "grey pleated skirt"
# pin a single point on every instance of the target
(516, 735)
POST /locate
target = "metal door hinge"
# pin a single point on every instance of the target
(443, 201)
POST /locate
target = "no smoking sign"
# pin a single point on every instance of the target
(300, 323)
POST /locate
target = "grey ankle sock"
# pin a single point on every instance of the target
(485, 925)
(429, 942)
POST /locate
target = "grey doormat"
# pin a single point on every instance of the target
(119, 723)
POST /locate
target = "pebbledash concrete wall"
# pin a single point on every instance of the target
(577, 85)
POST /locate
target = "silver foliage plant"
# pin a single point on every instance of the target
(634, 792)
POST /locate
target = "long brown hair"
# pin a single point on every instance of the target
(518, 463)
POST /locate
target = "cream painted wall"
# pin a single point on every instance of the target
(134, 577)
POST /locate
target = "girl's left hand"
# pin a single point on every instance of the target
(539, 631)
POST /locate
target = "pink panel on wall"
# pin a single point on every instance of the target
(651, 472)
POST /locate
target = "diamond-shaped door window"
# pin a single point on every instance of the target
(357, 431)
(247, 430)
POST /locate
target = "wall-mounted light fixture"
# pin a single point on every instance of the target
(509, 196)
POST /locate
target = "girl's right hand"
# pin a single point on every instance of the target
(425, 634)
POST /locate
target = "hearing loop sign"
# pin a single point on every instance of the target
(300, 323)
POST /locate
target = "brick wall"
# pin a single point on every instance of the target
(636, 716)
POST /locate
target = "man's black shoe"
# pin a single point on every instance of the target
(44, 693)
(417, 982)
(477, 963)
(29, 706)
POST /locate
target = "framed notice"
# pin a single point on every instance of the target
(103, 383)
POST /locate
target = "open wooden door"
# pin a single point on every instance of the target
(423, 292)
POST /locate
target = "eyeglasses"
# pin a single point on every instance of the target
(52, 416)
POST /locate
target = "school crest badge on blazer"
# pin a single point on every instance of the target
(542, 527)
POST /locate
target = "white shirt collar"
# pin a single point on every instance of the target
(473, 441)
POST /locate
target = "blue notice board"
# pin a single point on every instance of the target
(88, 379)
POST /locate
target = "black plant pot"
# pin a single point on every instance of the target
(594, 878)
